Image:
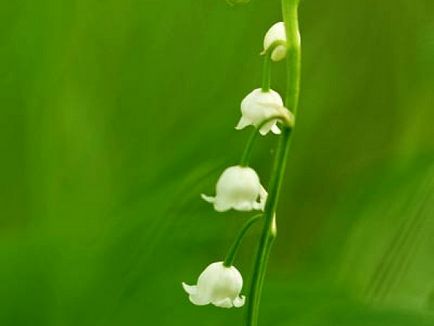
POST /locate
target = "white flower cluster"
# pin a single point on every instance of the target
(239, 187)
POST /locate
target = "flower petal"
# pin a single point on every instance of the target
(225, 303)
(242, 123)
(275, 130)
(222, 205)
(198, 300)
(208, 199)
(262, 197)
(278, 53)
(239, 301)
(190, 289)
(244, 206)
(258, 206)
(194, 295)
(265, 129)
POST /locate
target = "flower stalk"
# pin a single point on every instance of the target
(266, 73)
(229, 260)
(239, 186)
(290, 15)
(245, 159)
(268, 58)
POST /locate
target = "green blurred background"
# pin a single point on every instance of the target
(117, 114)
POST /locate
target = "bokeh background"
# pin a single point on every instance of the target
(117, 114)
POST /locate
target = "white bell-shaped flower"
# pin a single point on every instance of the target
(218, 285)
(276, 33)
(259, 106)
(239, 188)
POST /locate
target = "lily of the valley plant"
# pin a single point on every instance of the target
(239, 186)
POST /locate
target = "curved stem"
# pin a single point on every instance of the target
(245, 159)
(266, 73)
(290, 14)
(266, 70)
(234, 248)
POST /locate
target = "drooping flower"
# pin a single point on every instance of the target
(259, 106)
(276, 33)
(239, 188)
(218, 285)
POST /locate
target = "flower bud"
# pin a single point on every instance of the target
(259, 106)
(218, 285)
(276, 33)
(238, 188)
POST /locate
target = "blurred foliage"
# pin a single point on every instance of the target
(115, 116)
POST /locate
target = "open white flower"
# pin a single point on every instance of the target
(239, 188)
(276, 33)
(218, 285)
(259, 106)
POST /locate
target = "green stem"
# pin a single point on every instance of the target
(266, 73)
(290, 17)
(234, 248)
(266, 70)
(268, 232)
(290, 14)
(245, 159)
